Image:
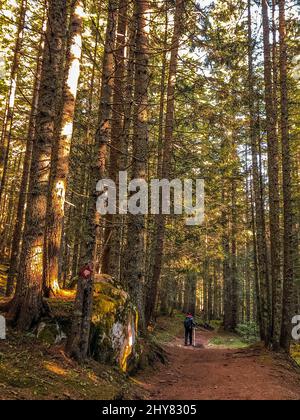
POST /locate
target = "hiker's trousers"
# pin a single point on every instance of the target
(189, 336)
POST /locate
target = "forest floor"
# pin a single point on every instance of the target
(30, 370)
(220, 367)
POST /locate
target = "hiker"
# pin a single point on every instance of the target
(189, 324)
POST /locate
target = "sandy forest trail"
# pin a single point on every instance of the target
(205, 373)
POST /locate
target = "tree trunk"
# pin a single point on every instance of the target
(103, 133)
(206, 270)
(248, 268)
(166, 164)
(118, 149)
(160, 148)
(150, 300)
(18, 229)
(210, 297)
(262, 252)
(128, 120)
(288, 274)
(27, 304)
(78, 340)
(81, 213)
(234, 273)
(9, 115)
(61, 153)
(275, 64)
(227, 294)
(273, 172)
(190, 293)
(10, 210)
(134, 267)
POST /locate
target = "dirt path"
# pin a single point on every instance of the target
(205, 373)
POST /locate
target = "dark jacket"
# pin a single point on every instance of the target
(189, 323)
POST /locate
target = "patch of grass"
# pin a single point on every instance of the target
(228, 342)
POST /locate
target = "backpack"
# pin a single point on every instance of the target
(85, 273)
(188, 323)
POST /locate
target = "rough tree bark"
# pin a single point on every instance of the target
(134, 265)
(103, 133)
(78, 340)
(88, 140)
(259, 223)
(18, 229)
(234, 268)
(27, 305)
(227, 292)
(61, 154)
(118, 147)
(273, 172)
(288, 274)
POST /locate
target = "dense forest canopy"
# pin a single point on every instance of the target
(174, 89)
